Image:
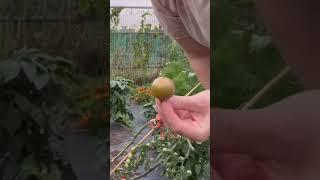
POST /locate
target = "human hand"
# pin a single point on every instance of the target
(188, 116)
(278, 142)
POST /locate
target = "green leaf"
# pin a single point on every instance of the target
(12, 121)
(38, 116)
(64, 61)
(9, 70)
(112, 84)
(29, 70)
(41, 80)
(259, 42)
(206, 171)
(26, 53)
(198, 169)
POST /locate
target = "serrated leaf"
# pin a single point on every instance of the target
(26, 53)
(198, 169)
(29, 70)
(112, 84)
(64, 61)
(38, 116)
(9, 70)
(41, 80)
(206, 171)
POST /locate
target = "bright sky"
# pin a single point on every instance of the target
(131, 17)
(130, 3)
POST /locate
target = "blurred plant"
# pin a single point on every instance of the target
(34, 109)
(142, 46)
(149, 110)
(119, 100)
(92, 106)
(182, 75)
(139, 96)
(92, 9)
(175, 53)
(115, 18)
(179, 158)
(245, 57)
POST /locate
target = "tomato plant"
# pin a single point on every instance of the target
(34, 110)
(120, 96)
(179, 158)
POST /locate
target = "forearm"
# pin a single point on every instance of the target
(201, 67)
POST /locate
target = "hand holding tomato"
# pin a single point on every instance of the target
(188, 116)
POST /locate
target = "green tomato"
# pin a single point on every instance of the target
(175, 154)
(148, 145)
(164, 149)
(133, 150)
(181, 158)
(189, 173)
(162, 88)
(130, 155)
(128, 161)
(126, 165)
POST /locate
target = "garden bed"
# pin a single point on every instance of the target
(121, 136)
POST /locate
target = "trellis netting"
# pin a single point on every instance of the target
(138, 45)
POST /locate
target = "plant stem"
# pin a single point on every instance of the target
(190, 148)
(125, 157)
(150, 170)
(194, 88)
(131, 142)
(146, 136)
(266, 88)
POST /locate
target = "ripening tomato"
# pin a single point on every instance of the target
(162, 88)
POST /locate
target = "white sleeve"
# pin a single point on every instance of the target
(169, 19)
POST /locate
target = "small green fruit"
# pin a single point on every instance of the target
(162, 88)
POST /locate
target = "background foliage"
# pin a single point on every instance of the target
(34, 108)
(119, 99)
(245, 58)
